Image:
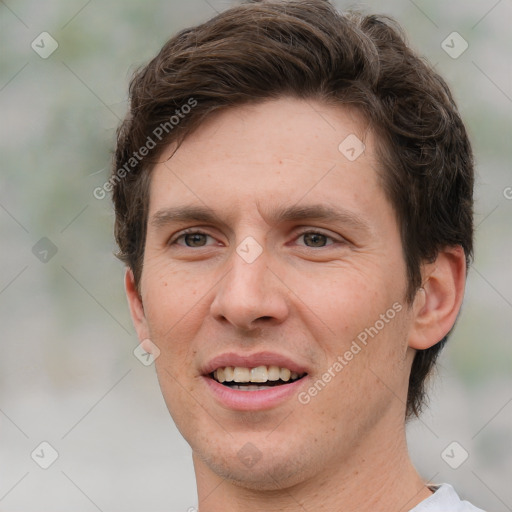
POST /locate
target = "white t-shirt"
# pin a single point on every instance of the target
(445, 499)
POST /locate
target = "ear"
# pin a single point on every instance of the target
(136, 306)
(438, 301)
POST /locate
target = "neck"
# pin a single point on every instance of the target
(382, 478)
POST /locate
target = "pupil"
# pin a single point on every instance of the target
(316, 239)
(195, 240)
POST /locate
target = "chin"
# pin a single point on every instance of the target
(266, 470)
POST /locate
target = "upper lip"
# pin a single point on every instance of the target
(252, 361)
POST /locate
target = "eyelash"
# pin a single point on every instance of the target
(302, 233)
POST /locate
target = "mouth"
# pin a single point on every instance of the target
(253, 382)
(258, 378)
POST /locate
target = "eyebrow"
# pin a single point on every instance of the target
(274, 215)
(187, 213)
(319, 212)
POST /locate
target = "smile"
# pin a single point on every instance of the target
(252, 382)
(254, 379)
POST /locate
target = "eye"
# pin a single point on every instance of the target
(316, 239)
(192, 239)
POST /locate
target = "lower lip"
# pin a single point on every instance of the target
(253, 400)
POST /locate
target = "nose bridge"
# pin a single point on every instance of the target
(249, 291)
(249, 269)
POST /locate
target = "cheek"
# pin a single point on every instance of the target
(342, 304)
(169, 291)
(361, 381)
(173, 301)
(362, 327)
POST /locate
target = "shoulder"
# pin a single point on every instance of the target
(445, 499)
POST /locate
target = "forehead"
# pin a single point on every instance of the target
(287, 127)
(285, 151)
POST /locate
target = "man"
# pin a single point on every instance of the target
(293, 194)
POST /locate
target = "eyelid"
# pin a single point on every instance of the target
(189, 231)
(320, 231)
(302, 231)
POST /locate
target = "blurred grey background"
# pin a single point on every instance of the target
(68, 375)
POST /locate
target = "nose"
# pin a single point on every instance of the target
(250, 295)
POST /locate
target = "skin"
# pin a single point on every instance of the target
(346, 448)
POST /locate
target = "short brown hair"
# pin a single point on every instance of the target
(306, 49)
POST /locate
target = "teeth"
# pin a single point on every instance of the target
(284, 374)
(241, 374)
(249, 388)
(273, 373)
(258, 374)
(229, 374)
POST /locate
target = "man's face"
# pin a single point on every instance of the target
(271, 279)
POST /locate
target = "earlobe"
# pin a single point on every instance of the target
(438, 301)
(135, 305)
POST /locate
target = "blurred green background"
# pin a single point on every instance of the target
(68, 375)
